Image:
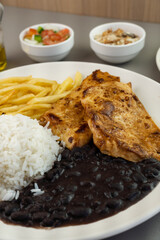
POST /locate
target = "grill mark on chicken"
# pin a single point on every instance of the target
(53, 117)
(67, 117)
(111, 112)
(108, 108)
(70, 139)
(122, 127)
(82, 128)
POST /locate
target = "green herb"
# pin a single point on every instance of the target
(40, 29)
(38, 38)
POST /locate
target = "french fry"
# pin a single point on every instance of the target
(3, 85)
(78, 79)
(20, 93)
(44, 92)
(23, 99)
(33, 96)
(37, 116)
(65, 86)
(54, 88)
(29, 112)
(15, 79)
(35, 106)
(49, 99)
(41, 81)
(30, 87)
(10, 109)
(7, 97)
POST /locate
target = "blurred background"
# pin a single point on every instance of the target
(140, 10)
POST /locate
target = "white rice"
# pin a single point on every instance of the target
(27, 151)
(36, 190)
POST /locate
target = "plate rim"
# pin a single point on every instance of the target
(79, 62)
(126, 227)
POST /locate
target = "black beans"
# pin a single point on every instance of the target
(95, 169)
(127, 179)
(61, 215)
(107, 194)
(20, 216)
(80, 211)
(65, 199)
(59, 188)
(147, 187)
(98, 176)
(89, 196)
(47, 222)
(152, 173)
(83, 187)
(66, 154)
(117, 186)
(114, 203)
(72, 174)
(67, 165)
(89, 184)
(114, 194)
(10, 208)
(102, 208)
(109, 179)
(2, 206)
(39, 216)
(35, 208)
(139, 178)
(132, 185)
(95, 204)
(72, 188)
(26, 201)
(50, 175)
(133, 196)
(150, 161)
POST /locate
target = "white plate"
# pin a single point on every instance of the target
(148, 92)
(158, 59)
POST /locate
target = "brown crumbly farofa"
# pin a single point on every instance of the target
(117, 37)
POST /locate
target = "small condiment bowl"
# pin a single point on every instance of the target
(117, 53)
(47, 53)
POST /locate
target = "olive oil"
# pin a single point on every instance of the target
(3, 60)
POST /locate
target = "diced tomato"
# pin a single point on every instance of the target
(55, 37)
(30, 33)
(47, 41)
(64, 33)
(44, 33)
(50, 33)
(49, 37)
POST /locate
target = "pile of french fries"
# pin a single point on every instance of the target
(33, 96)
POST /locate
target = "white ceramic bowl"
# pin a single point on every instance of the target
(158, 59)
(46, 53)
(117, 53)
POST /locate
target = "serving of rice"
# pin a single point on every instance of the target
(27, 151)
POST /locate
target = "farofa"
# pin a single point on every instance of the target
(117, 37)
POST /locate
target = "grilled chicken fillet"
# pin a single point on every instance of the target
(67, 120)
(120, 124)
(67, 117)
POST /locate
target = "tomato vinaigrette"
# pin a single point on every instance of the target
(42, 36)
